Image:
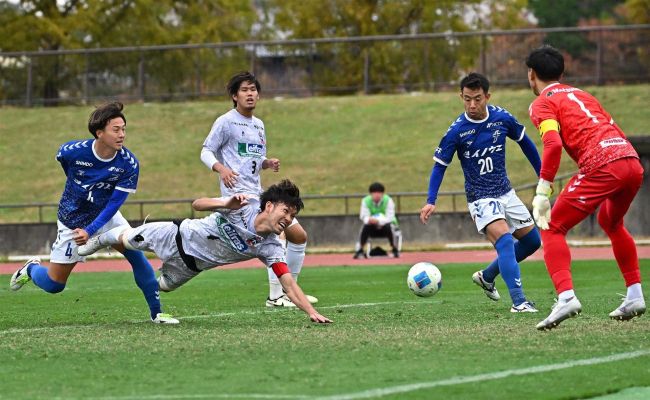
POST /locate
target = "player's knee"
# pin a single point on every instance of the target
(163, 285)
(297, 236)
(51, 286)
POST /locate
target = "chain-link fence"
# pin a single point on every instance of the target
(372, 64)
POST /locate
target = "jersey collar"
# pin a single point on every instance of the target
(487, 115)
(548, 87)
(98, 157)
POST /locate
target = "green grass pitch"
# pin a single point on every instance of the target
(93, 340)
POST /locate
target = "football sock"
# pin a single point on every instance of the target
(634, 291)
(524, 247)
(566, 295)
(509, 268)
(112, 236)
(295, 258)
(145, 278)
(557, 258)
(41, 279)
(275, 287)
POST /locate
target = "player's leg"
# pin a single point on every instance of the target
(557, 257)
(387, 232)
(629, 174)
(498, 233)
(63, 258)
(525, 231)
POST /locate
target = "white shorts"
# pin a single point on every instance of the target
(508, 207)
(64, 249)
(160, 238)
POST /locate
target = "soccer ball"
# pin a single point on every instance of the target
(424, 279)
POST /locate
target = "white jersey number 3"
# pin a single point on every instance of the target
(486, 165)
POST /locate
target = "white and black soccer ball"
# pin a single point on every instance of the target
(424, 279)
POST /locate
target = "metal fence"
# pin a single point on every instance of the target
(346, 204)
(369, 64)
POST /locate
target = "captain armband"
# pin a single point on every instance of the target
(548, 125)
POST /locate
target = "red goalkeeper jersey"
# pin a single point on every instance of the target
(589, 134)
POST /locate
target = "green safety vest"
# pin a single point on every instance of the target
(378, 208)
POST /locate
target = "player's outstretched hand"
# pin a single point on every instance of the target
(316, 317)
(80, 236)
(237, 201)
(426, 212)
(228, 177)
(272, 163)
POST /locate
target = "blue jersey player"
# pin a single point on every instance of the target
(478, 136)
(100, 173)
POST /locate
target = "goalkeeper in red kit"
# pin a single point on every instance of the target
(609, 176)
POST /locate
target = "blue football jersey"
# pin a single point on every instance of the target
(481, 148)
(91, 181)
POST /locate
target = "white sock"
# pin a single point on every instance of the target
(275, 288)
(295, 258)
(634, 292)
(112, 236)
(566, 295)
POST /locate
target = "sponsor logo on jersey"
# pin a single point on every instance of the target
(229, 231)
(491, 124)
(469, 132)
(83, 163)
(81, 172)
(486, 150)
(525, 221)
(250, 149)
(612, 142)
(115, 169)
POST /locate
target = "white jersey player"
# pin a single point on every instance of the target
(235, 148)
(243, 228)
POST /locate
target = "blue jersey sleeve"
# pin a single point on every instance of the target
(445, 151)
(516, 131)
(128, 181)
(114, 203)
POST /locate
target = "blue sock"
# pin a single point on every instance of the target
(145, 278)
(526, 246)
(509, 268)
(39, 276)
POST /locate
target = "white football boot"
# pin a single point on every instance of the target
(526, 306)
(162, 318)
(92, 245)
(20, 277)
(282, 301)
(629, 309)
(561, 311)
(489, 289)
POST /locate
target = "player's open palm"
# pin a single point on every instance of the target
(316, 317)
(426, 212)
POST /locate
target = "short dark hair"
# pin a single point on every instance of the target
(547, 62)
(475, 81)
(376, 187)
(103, 114)
(285, 192)
(235, 82)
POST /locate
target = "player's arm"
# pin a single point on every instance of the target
(272, 163)
(295, 293)
(114, 203)
(435, 180)
(210, 204)
(213, 142)
(549, 129)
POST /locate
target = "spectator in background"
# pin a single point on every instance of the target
(378, 216)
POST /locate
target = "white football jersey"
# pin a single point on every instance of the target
(239, 143)
(228, 236)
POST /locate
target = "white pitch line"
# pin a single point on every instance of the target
(381, 392)
(374, 393)
(12, 331)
